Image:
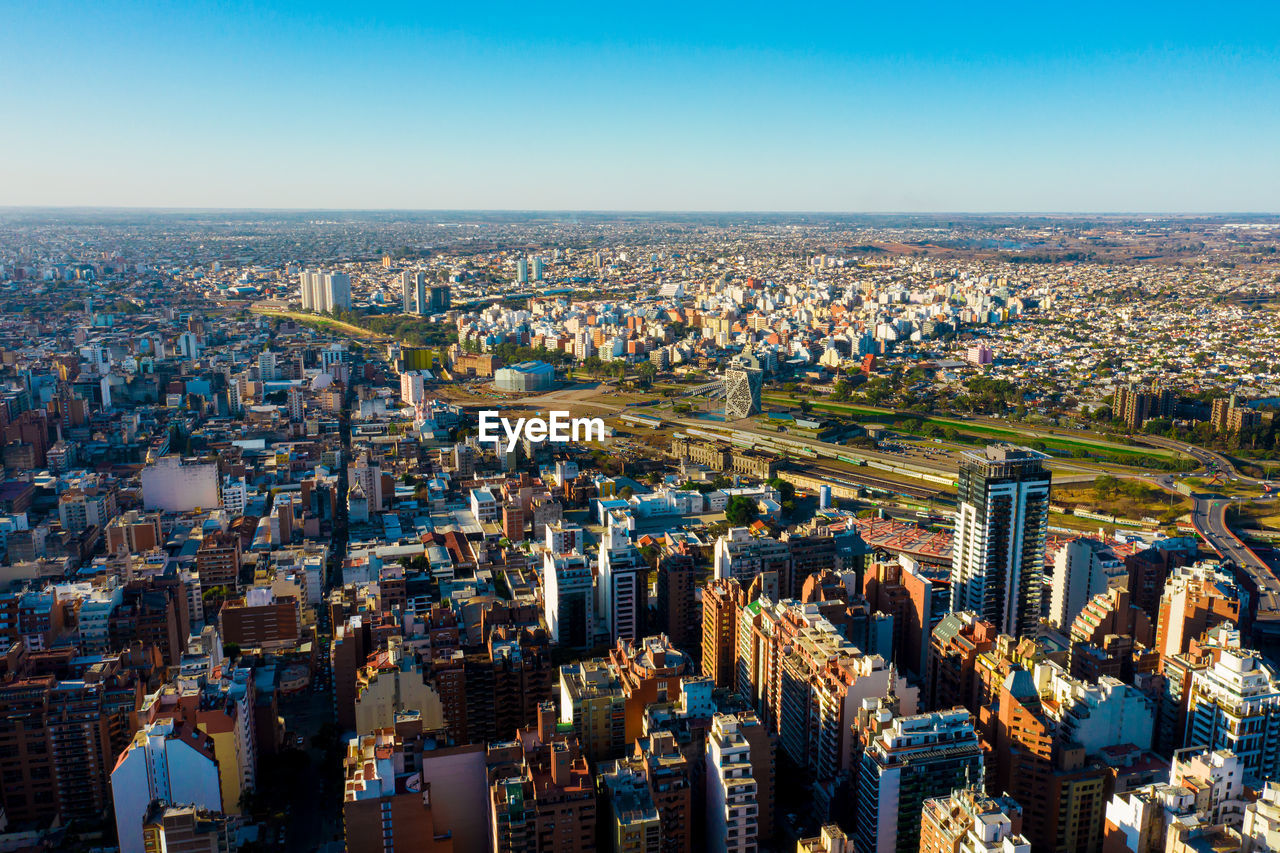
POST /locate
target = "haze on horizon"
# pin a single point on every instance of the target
(720, 108)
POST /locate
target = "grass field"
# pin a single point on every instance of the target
(1264, 515)
(319, 322)
(982, 431)
(1150, 501)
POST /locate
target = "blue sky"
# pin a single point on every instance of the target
(659, 106)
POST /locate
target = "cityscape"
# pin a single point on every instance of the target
(879, 533)
(561, 428)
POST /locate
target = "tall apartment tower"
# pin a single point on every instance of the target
(732, 796)
(623, 586)
(1235, 704)
(337, 291)
(324, 291)
(1002, 517)
(522, 271)
(912, 760)
(742, 392)
(570, 599)
(412, 284)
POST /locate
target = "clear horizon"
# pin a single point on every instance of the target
(831, 109)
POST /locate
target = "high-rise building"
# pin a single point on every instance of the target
(1137, 404)
(721, 600)
(1002, 518)
(166, 761)
(541, 793)
(1228, 416)
(592, 701)
(667, 777)
(570, 599)
(1196, 598)
(412, 283)
(733, 804)
(908, 762)
(676, 608)
(537, 268)
(1082, 568)
(956, 642)
(1041, 759)
(742, 386)
(522, 271)
(439, 299)
(622, 600)
(1204, 794)
(323, 291)
(1235, 704)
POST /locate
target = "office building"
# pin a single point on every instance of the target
(742, 386)
(1002, 518)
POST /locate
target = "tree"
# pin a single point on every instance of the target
(741, 511)
(1104, 486)
(840, 391)
(231, 650)
(787, 490)
(626, 492)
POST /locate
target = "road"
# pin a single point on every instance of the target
(1210, 519)
(1203, 455)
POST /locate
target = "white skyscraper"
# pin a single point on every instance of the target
(1082, 568)
(408, 290)
(733, 803)
(324, 291)
(337, 291)
(522, 271)
(623, 588)
(537, 269)
(1002, 518)
(570, 599)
